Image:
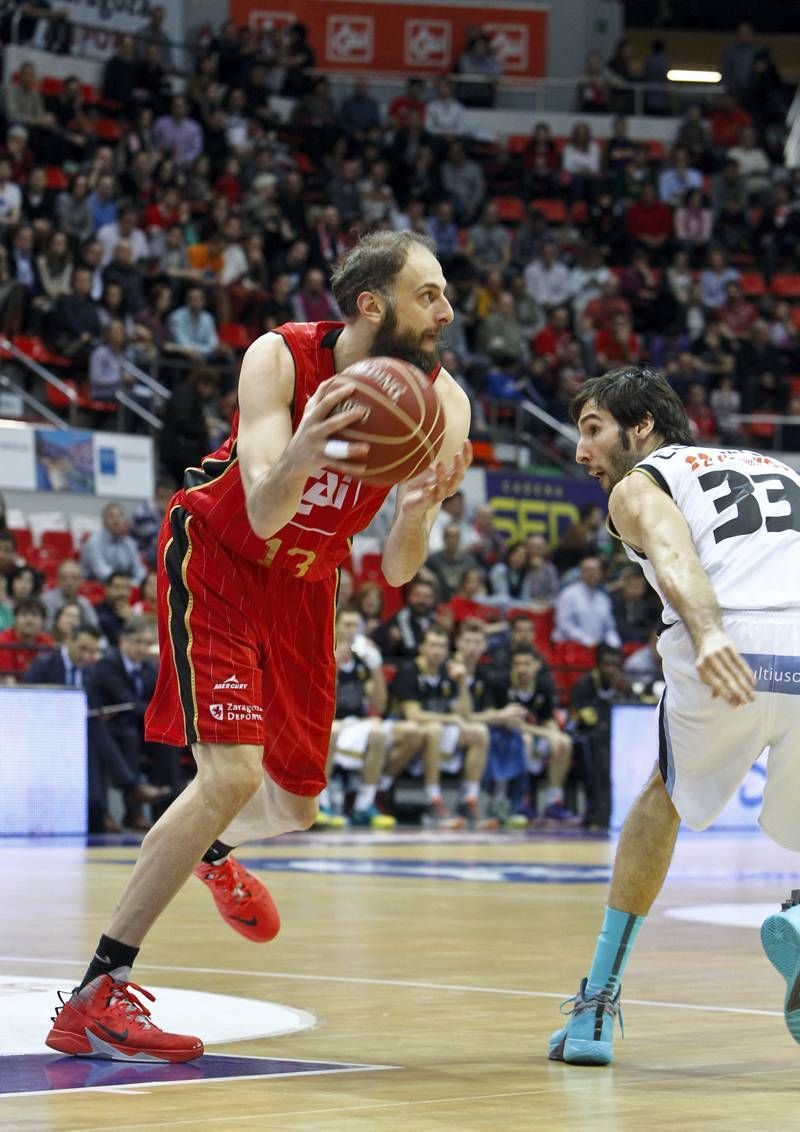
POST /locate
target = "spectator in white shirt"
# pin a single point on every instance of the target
(123, 228)
(444, 114)
(111, 550)
(10, 197)
(583, 610)
(547, 279)
(754, 166)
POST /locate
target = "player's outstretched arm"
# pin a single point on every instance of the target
(647, 519)
(419, 499)
(274, 462)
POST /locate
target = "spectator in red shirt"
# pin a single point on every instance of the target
(727, 122)
(551, 342)
(21, 644)
(410, 100)
(601, 310)
(700, 416)
(737, 313)
(649, 221)
(617, 346)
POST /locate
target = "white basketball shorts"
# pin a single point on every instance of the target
(706, 747)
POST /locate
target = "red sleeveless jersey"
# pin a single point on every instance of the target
(333, 507)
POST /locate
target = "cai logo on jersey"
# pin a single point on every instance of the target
(427, 43)
(327, 489)
(350, 39)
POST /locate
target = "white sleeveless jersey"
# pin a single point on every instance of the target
(743, 511)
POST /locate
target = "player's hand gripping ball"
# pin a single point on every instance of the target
(404, 425)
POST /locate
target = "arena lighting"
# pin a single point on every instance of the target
(682, 76)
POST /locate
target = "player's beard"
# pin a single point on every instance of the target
(620, 460)
(391, 342)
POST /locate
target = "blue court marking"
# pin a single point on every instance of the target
(48, 1073)
(494, 872)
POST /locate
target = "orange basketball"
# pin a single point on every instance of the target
(405, 425)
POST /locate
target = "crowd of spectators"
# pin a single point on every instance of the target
(189, 222)
(487, 628)
(168, 229)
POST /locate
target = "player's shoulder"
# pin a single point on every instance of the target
(453, 399)
(267, 375)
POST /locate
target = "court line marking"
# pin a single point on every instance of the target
(459, 988)
(135, 1089)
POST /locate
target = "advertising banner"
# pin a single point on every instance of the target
(123, 466)
(98, 24)
(65, 461)
(407, 37)
(634, 752)
(17, 457)
(525, 504)
(76, 461)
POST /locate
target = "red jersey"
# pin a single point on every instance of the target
(333, 508)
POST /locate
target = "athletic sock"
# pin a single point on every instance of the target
(433, 793)
(217, 853)
(470, 791)
(324, 799)
(110, 954)
(386, 783)
(365, 797)
(614, 945)
(554, 796)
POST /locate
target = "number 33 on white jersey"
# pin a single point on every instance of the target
(743, 511)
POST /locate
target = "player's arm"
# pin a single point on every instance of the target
(377, 692)
(275, 462)
(647, 519)
(419, 499)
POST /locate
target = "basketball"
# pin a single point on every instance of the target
(405, 425)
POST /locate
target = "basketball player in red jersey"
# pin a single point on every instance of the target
(247, 585)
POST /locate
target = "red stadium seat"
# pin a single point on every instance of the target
(58, 541)
(510, 210)
(106, 129)
(786, 286)
(752, 283)
(36, 349)
(235, 335)
(552, 209)
(656, 151)
(23, 540)
(57, 179)
(51, 87)
(516, 144)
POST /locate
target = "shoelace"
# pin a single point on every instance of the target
(118, 994)
(120, 997)
(608, 997)
(217, 875)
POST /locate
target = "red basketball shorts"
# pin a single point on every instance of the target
(246, 655)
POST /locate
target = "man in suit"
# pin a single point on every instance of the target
(72, 665)
(126, 675)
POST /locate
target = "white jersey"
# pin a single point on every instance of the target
(743, 511)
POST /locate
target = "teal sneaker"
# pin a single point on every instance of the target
(587, 1038)
(329, 819)
(780, 938)
(373, 818)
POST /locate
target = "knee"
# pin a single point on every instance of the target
(302, 812)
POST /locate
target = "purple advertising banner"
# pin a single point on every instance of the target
(526, 504)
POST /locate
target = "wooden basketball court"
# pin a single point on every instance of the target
(422, 976)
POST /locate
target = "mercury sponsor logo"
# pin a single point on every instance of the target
(232, 684)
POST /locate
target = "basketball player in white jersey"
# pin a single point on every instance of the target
(717, 533)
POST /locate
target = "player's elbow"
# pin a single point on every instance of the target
(394, 574)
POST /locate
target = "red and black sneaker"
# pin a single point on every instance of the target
(106, 1019)
(242, 899)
